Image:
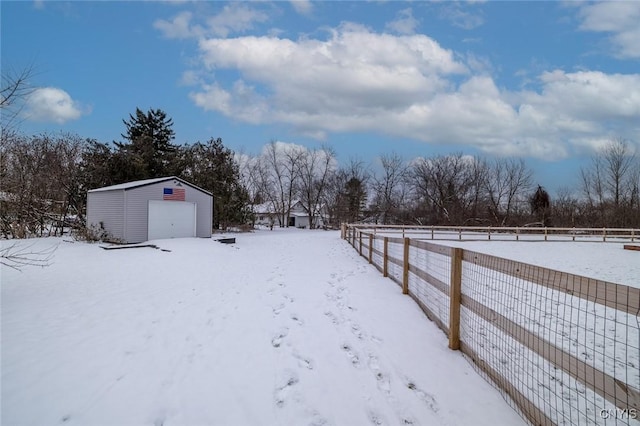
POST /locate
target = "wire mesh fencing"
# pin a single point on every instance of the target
(564, 349)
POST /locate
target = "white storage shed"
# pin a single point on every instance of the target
(167, 207)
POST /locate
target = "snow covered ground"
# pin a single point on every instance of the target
(607, 261)
(282, 328)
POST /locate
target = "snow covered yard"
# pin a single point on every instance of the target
(594, 259)
(283, 328)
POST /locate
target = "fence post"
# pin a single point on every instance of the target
(405, 269)
(460, 234)
(573, 237)
(604, 234)
(517, 234)
(489, 233)
(385, 257)
(545, 233)
(370, 248)
(342, 228)
(360, 239)
(432, 232)
(632, 232)
(454, 298)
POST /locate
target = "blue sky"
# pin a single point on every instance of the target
(547, 81)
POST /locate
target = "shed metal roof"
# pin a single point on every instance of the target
(144, 182)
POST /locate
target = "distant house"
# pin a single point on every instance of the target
(167, 207)
(266, 215)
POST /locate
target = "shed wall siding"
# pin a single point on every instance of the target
(204, 217)
(107, 207)
(137, 209)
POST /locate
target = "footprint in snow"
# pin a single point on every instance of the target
(373, 362)
(304, 361)
(295, 318)
(382, 380)
(426, 397)
(282, 391)
(355, 329)
(277, 309)
(375, 418)
(288, 298)
(334, 319)
(353, 357)
(317, 419)
(277, 339)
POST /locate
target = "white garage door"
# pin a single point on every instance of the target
(171, 219)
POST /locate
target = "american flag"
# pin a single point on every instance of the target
(173, 194)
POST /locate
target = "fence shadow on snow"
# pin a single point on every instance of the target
(563, 348)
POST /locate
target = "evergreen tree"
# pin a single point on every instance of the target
(148, 152)
(540, 204)
(212, 167)
(356, 197)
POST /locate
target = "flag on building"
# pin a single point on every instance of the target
(173, 194)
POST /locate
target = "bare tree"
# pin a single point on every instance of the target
(448, 187)
(507, 183)
(280, 178)
(14, 91)
(610, 184)
(389, 187)
(316, 168)
(566, 208)
(40, 182)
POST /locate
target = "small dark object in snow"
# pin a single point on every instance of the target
(226, 240)
(630, 247)
(126, 246)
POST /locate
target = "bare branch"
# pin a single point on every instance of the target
(14, 90)
(17, 256)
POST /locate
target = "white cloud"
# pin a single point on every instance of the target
(303, 7)
(404, 23)
(621, 19)
(458, 17)
(179, 26)
(50, 104)
(233, 18)
(356, 80)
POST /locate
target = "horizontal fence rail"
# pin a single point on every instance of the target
(564, 349)
(522, 233)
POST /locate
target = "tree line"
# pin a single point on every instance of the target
(453, 189)
(45, 179)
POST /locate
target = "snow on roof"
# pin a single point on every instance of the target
(264, 208)
(138, 183)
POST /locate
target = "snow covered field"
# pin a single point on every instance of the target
(600, 337)
(283, 328)
(604, 261)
